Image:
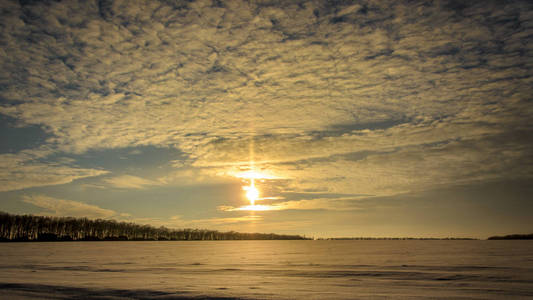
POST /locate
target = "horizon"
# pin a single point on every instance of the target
(301, 235)
(323, 119)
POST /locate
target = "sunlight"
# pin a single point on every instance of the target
(252, 193)
(252, 174)
(256, 208)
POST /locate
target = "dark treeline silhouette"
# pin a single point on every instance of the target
(40, 228)
(513, 237)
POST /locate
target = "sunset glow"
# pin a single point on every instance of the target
(252, 174)
(255, 208)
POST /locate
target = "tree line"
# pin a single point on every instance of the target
(513, 237)
(44, 228)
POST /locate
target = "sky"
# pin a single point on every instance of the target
(348, 118)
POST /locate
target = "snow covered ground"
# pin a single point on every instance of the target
(268, 270)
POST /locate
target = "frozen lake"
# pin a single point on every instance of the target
(268, 270)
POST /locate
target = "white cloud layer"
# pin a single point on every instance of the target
(379, 98)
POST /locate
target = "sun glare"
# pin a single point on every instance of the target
(251, 192)
(256, 208)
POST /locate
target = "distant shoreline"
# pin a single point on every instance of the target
(513, 237)
(306, 239)
(397, 239)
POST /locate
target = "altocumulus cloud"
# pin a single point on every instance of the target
(373, 97)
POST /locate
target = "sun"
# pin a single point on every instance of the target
(252, 193)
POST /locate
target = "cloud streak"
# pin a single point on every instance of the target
(67, 208)
(130, 182)
(337, 204)
(26, 169)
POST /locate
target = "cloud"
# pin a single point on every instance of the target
(130, 182)
(337, 204)
(26, 169)
(377, 98)
(67, 208)
(413, 168)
